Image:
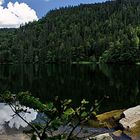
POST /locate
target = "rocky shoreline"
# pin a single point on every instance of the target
(126, 124)
(19, 136)
(113, 125)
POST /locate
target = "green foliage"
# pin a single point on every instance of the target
(57, 113)
(69, 111)
(120, 55)
(26, 99)
(7, 51)
(71, 34)
(33, 137)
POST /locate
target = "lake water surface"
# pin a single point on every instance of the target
(120, 84)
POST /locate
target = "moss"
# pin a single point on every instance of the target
(105, 116)
(111, 119)
(108, 119)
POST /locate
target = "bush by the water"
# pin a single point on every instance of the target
(122, 55)
(57, 113)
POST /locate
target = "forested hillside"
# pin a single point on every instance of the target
(7, 48)
(106, 32)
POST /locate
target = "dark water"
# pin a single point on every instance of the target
(120, 83)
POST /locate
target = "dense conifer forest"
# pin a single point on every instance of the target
(107, 32)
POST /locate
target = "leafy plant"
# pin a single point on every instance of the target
(56, 114)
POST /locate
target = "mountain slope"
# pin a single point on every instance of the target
(82, 33)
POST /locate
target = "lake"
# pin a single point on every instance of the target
(119, 84)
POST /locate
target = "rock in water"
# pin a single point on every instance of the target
(131, 117)
(104, 136)
(117, 133)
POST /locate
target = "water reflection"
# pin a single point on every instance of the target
(119, 83)
(9, 119)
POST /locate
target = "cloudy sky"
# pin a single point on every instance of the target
(16, 12)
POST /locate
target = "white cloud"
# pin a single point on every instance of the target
(16, 14)
(12, 120)
(1, 2)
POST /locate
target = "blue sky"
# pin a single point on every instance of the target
(43, 6)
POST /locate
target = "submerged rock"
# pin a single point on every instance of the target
(105, 136)
(117, 133)
(131, 117)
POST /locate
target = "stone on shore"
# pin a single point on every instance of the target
(14, 137)
(104, 136)
(117, 133)
(131, 117)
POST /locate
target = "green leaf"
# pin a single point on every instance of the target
(56, 124)
(96, 103)
(94, 113)
(84, 101)
(69, 111)
(84, 114)
(67, 102)
(50, 106)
